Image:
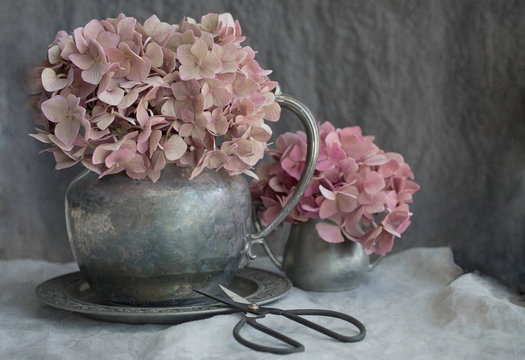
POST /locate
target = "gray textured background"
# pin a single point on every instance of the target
(442, 82)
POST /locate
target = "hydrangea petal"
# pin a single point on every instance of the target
(67, 129)
(175, 147)
(327, 193)
(328, 208)
(189, 72)
(136, 166)
(51, 82)
(94, 74)
(83, 61)
(184, 54)
(154, 53)
(329, 233)
(199, 49)
(272, 112)
(210, 65)
(53, 54)
(104, 120)
(373, 182)
(112, 97)
(55, 108)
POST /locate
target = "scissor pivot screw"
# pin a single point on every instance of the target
(253, 307)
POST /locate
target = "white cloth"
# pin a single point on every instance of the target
(415, 305)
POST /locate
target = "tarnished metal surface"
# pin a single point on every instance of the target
(141, 243)
(314, 264)
(70, 292)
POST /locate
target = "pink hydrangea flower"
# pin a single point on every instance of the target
(67, 114)
(117, 95)
(197, 62)
(361, 191)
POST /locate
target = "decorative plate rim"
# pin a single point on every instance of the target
(270, 287)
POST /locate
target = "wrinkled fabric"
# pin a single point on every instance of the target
(417, 304)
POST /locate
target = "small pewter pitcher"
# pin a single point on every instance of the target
(150, 244)
(316, 265)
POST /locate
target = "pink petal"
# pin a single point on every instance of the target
(100, 154)
(63, 161)
(221, 97)
(94, 74)
(55, 108)
(376, 160)
(112, 97)
(185, 130)
(269, 214)
(140, 69)
(43, 137)
(373, 182)
(261, 133)
(179, 91)
(210, 22)
(104, 120)
(128, 99)
(135, 165)
(347, 202)
(272, 112)
(391, 200)
(328, 209)
(327, 193)
(385, 243)
(93, 28)
(244, 86)
(215, 159)
(154, 140)
(126, 28)
(189, 72)
(108, 40)
(329, 233)
(51, 81)
(154, 53)
(309, 208)
(199, 49)
(210, 66)
(158, 162)
(67, 130)
(83, 61)
(53, 54)
(175, 147)
(119, 157)
(142, 113)
(59, 143)
(184, 54)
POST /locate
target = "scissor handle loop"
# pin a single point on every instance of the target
(294, 315)
(296, 346)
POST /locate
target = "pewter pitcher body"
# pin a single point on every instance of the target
(316, 265)
(145, 243)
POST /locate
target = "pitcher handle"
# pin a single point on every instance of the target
(312, 136)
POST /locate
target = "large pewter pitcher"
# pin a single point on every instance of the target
(149, 244)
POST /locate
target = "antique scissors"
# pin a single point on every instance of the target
(252, 312)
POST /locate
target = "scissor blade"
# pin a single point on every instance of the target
(221, 300)
(235, 297)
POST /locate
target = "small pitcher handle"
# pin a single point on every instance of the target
(312, 136)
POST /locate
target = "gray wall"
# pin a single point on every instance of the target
(442, 82)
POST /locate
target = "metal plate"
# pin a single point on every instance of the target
(72, 293)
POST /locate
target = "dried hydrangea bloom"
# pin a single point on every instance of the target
(361, 191)
(117, 95)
